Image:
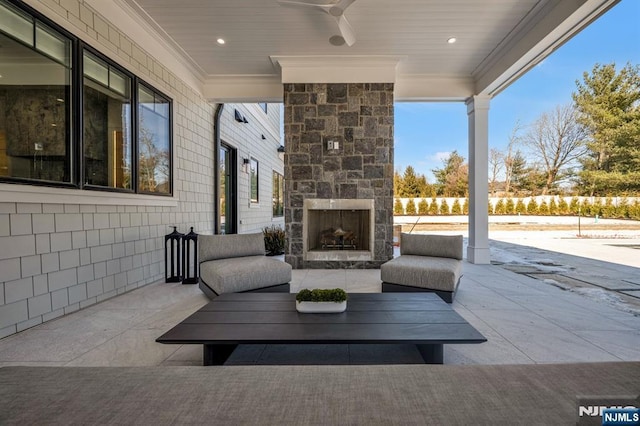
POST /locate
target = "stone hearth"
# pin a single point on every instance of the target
(339, 145)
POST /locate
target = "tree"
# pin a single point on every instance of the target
(411, 208)
(609, 107)
(397, 207)
(452, 179)
(495, 166)
(410, 183)
(423, 207)
(557, 141)
(509, 156)
(456, 209)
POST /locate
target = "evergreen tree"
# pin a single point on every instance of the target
(465, 206)
(510, 206)
(444, 207)
(398, 210)
(455, 207)
(411, 208)
(410, 184)
(500, 207)
(532, 207)
(452, 180)
(574, 205)
(553, 207)
(521, 208)
(543, 208)
(609, 105)
(433, 207)
(423, 207)
(563, 207)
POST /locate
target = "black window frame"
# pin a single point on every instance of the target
(74, 115)
(255, 200)
(278, 183)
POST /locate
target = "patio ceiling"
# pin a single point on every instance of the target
(404, 41)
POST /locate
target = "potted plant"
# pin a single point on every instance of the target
(274, 240)
(321, 300)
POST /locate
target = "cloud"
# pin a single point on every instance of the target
(439, 156)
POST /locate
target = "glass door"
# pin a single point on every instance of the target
(227, 202)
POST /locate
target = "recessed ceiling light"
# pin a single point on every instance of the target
(452, 40)
(220, 41)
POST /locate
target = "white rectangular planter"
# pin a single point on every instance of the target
(321, 307)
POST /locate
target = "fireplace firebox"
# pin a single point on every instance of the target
(338, 229)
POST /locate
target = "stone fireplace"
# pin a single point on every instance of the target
(338, 174)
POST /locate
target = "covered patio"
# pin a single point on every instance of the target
(525, 320)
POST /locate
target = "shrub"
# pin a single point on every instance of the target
(423, 207)
(444, 207)
(532, 207)
(634, 210)
(455, 208)
(553, 207)
(520, 207)
(274, 240)
(433, 207)
(543, 208)
(397, 207)
(499, 209)
(321, 295)
(622, 209)
(574, 205)
(596, 208)
(465, 206)
(608, 210)
(411, 208)
(585, 208)
(563, 207)
(510, 206)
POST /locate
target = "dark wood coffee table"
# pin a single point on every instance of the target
(231, 319)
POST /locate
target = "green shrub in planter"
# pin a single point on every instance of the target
(322, 295)
(274, 240)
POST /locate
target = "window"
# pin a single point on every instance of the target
(253, 177)
(154, 142)
(106, 112)
(263, 105)
(278, 194)
(122, 139)
(35, 100)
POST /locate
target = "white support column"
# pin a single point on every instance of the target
(478, 112)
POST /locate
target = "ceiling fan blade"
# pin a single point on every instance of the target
(344, 4)
(288, 3)
(346, 30)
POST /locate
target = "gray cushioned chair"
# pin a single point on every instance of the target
(426, 263)
(236, 263)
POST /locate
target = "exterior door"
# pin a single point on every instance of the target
(228, 201)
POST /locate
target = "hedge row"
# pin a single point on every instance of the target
(508, 206)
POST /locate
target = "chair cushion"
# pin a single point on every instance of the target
(432, 245)
(435, 273)
(244, 273)
(212, 247)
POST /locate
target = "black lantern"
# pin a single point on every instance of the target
(172, 257)
(190, 257)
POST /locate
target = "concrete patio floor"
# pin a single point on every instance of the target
(525, 319)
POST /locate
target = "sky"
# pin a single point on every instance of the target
(425, 133)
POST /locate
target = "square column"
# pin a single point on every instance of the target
(478, 112)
